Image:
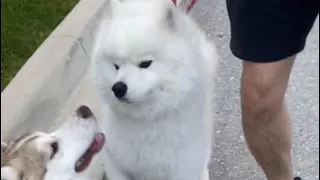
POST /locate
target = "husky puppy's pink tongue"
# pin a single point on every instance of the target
(96, 145)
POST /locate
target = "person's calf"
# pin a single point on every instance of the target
(265, 120)
(268, 135)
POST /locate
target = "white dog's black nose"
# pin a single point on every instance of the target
(84, 112)
(119, 89)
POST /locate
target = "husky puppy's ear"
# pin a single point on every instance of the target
(9, 173)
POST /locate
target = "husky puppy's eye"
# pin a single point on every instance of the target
(116, 66)
(55, 148)
(145, 64)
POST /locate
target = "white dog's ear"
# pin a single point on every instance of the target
(169, 15)
(114, 4)
(170, 19)
(8, 173)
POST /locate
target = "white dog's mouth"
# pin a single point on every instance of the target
(84, 161)
(125, 100)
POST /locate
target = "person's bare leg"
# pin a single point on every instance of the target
(265, 119)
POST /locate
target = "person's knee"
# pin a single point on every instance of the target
(263, 85)
(258, 97)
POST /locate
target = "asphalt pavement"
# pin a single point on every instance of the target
(231, 159)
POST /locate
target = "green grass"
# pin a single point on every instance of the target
(25, 24)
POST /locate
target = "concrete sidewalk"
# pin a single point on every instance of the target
(231, 159)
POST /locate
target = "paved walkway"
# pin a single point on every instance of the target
(231, 159)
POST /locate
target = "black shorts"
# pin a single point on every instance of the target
(270, 30)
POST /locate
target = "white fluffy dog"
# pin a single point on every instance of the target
(153, 69)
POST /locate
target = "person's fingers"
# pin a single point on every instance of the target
(186, 5)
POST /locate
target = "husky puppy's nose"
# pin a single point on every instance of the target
(119, 89)
(84, 112)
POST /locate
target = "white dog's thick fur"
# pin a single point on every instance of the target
(160, 129)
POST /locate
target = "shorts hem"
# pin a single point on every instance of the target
(264, 57)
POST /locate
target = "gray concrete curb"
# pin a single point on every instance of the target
(35, 95)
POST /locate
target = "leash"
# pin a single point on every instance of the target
(189, 7)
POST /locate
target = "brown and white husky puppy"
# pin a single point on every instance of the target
(69, 153)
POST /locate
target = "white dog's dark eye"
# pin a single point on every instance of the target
(116, 66)
(145, 64)
(55, 148)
